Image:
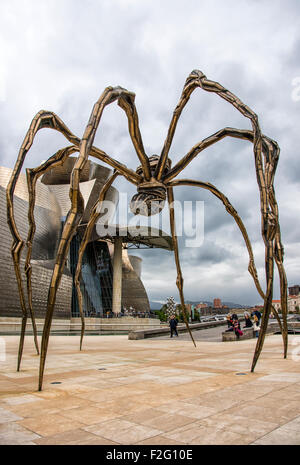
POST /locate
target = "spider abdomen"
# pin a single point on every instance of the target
(148, 202)
(151, 196)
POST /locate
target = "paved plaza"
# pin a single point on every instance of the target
(157, 391)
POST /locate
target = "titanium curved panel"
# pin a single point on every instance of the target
(92, 179)
(133, 291)
(44, 197)
(47, 214)
(48, 226)
(136, 263)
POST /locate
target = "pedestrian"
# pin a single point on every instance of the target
(248, 322)
(256, 326)
(173, 326)
(236, 326)
(258, 314)
(228, 318)
(229, 323)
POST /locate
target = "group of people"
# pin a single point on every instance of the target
(131, 312)
(234, 324)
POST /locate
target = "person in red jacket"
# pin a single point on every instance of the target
(236, 326)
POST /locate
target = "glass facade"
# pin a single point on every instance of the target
(96, 278)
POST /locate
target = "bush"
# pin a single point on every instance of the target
(161, 314)
(196, 315)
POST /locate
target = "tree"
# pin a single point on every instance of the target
(179, 311)
(162, 313)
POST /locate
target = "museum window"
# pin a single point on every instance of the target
(96, 278)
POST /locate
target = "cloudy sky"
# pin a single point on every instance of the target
(59, 55)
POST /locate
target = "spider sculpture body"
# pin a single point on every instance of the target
(155, 180)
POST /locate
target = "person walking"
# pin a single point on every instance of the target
(173, 326)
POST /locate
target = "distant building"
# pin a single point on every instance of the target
(206, 311)
(217, 303)
(294, 290)
(276, 304)
(293, 303)
(188, 308)
(201, 305)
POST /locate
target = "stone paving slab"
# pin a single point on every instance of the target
(158, 391)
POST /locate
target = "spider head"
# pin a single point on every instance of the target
(151, 196)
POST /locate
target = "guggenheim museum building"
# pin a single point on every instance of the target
(99, 263)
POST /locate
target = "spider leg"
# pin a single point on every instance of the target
(198, 79)
(72, 220)
(204, 144)
(271, 161)
(278, 255)
(32, 176)
(31, 184)
(268, 219)
(95, 214)
(126, 102)
(18, 243)
(231, 210)
(74, 216)
(48, 119)
(273, 247)
(129, 174)
(271, 155)
(269, 148)
(179, 280)
(44, 119)
(16, 250)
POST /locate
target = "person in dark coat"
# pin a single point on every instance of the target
(248, 322)
(173, 326)
(229, 322)
(258, 314)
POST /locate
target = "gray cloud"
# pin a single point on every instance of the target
(60, 55)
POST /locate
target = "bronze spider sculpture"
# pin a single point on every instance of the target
(155, 180)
